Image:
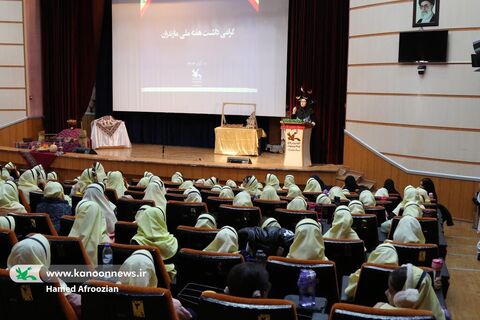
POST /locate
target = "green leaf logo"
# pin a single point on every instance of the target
(23, 275)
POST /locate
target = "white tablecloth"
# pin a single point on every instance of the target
(119, 139)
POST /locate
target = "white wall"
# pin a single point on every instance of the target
(13, 104)
(427, 123)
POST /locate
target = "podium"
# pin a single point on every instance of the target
(297, 143)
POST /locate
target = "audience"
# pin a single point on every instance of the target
(116, 182)
(323, 199)
(288, 182)
(9, 201)
(367, 198)
(145, 179)
(226, 193)
(54, 203)
(272, 181)
(269, 193)
(96, 192)
(248, 280)
(308, 241)
(7, 223)
(250, 184)
(351, 184)
(336, 192)
(312, 186)
(156, 192)
(409, 230)
(342, 225)
(177, 177)
(193, 195)
(294, 191)
(28, 182)
(298, 203)
(206, 220)
(356, 207)
(87, 177)
(389, 184)
(243, 199)
(226, 241)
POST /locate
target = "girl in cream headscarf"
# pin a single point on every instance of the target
(9, 198)
(52, 176)
(308, 241)
(409, 230)
(226, 193)
(409, 194)
(28, 182)
(385, 253)
(342, 225)
(288, 182)
(411, 287)
(42, 176)
(367, 198)
(216, 188)
(145, 179)
(210, 182)
(269, 193)
(243, 199)
(294, 191)
(270, 222)
(7, 223)
(87, 177)
(273, 181)
(5, 175)
(34, 250)
(91, 227)
(177, 177)
(206, 220)
(193, 195)
(115, 181)
(200, 181)
(152, 231)
(54, 203)
(412, 209)
(226, 241)
(186, 185)
(356, 207)
(423, 195)
(323, 199)
(250, 184)
(298, 203)
(100, 171)
(382, 192)
(95, 193)
(156, 192)
(336, 192)
(139, 260)
(312, 186)
(231, 183)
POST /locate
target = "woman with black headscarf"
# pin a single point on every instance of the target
(351, 184)
(390, 186)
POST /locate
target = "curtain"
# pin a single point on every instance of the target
(71, 31)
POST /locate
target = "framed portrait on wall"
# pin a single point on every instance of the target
(426, 13)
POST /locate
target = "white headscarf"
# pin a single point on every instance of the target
(410, 193)
(52, 176)
(382, 192)
(243, 199)
(269, 193)
(54, 190)
(250, 184)
(34, 250)
(10, 166)
(270, 222)
(289, 181)
(7, 222)
(193, 195)
(312, 186)
(336, 192)
(100, 171)
(5, 175)
(115, 181)
(156, 192)
(9, 198)
(200, 181)
(177, 177)
(206, 220)
(323, 199)
(226, 193)
(342, 225)
(187, 184)
(86, 178)
(231, 183)
(210, 182)
(409, 230)
(216, 188)
(273, 181)
(308, 241)
(28, 182)
(145, 179)
(298, 203)
(423, 195)
(140, 260)
(412, 209)
(42, 176)
(226, 241)
(94, 192)
(294, 191)
(367, 198)
(91, 227)
(356, 207)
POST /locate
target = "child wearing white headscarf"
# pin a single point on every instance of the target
(91, 227)
(115, 181)
(42, 176)
(294, 191)
(52, 176)
(145, 179)
(95, 193)
(87, 177)
(298, 203)
(100, 171)
(423, 195)
(289, 181)
(323, 199)
(231, 183)
(342, 225)
(139, 260)
(193, 195)
(54, 203)
(312, 186)
(206, 220)
(34, 250)
(226, 241)
(308, 241)
(356, 207)
(409, 194)
(336, 192)
(367, 198)
(409, 230)
(250, 184)
(186, 185)
(210, 182)
(177, 177)
(156, 192)
(412, 209)
(226, 193)
(269, 193)
(5, 175)
(243, 199)
(273, 181)
(216, 188)
(9, 201)
(270, 222)
(382, 192)
(7, 223)
(28, 182)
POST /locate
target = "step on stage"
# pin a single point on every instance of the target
(191, 162)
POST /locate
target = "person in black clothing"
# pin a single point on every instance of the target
(351, 184)
(390, 186)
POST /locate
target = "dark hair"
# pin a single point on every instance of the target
(351, 184)
(245, 278)
(429, 186)
(322, 184)
(390, 186)
(397, 279)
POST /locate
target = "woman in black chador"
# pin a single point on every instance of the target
(305, 111)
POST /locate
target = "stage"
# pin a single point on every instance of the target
(193, 162)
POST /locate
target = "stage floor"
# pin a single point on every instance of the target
(201, 157)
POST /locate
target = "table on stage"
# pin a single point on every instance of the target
(109, 133)
(235, 141)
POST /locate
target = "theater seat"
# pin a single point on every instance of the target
(344, 311)
(122, 252)
(379, 211)
(129, 302)
(136, 188)
(208, 193)
(66, 224)
(420, 255)
(207, 268)
(311, 196)
(127, 208)
(194, 238)
(35, 198)
(138, 195)
(23, 201)
(238, 217)
(284, 274)
(124, 231)
(67, 251)
(213, 203)
(32, 301)
(267, 207)
(175, 190)
(429, 229)
(326, 212)
(175, 196)
(7, 241)
(75, 200)
(288, 219)
(365, 225)
(212, 305)
(111, 195)
(348, 255)
(26, 223)
(183, 213)
(170, 184)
